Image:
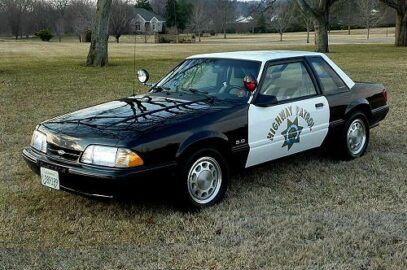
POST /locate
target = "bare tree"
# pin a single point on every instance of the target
(15, 11)
(368, 14)
(401, 20)
(320, 13)
(60, 7)
(79, 15)
(225, 10)
(120, 17)
(199, 17)
(158, 6)
(98, 51)
(282, 17)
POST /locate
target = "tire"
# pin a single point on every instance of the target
(355, 136)
(203, 179)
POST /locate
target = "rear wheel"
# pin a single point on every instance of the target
(203, 178)
(355, 136)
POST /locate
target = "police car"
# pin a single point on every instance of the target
(210, 114)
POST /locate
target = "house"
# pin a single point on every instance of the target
(244, 24)
(146, 21)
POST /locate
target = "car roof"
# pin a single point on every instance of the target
(261, 56)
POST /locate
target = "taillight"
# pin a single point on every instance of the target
(385, 95)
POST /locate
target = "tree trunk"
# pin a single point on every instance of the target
(117, 38)
(368, 32)
(321, 30)
(224, 32)
(401, 30)
(281, 36)
(308, 31)
(98, 51)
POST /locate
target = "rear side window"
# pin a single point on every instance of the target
(330, 81)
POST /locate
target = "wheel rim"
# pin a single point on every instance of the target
(356, 136)
(204, 180)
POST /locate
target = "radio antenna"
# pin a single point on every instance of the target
(134, 63)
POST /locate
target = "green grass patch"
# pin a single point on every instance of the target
(307, 211)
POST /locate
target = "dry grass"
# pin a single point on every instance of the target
(308, 211)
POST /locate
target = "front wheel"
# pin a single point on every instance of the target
(355, 136)
(204, 178)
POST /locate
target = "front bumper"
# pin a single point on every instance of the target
(96, 181)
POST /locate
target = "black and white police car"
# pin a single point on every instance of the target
(210, 114)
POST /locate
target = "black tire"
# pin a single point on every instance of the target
(346, 150)
(207, 157)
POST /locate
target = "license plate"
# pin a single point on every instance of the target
(49, 178)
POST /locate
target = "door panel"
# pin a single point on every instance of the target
(286, 129)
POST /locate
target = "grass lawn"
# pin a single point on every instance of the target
(307, 211)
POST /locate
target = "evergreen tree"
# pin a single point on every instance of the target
(178, 13)
(143, 4)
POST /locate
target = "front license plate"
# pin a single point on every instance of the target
(49, 178)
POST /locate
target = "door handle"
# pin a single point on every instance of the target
(319, 105)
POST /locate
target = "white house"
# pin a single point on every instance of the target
(146, 21)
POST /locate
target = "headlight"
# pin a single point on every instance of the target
(111, 157)
(39, 141)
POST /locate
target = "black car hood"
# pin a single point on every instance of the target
(111, 122)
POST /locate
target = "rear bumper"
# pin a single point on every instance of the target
(95, 181)
(379, 114)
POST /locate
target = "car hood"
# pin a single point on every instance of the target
(111, 122)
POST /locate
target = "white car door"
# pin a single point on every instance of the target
(296, 121)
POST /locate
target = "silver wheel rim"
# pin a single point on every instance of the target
(356, 136)
(204, 180)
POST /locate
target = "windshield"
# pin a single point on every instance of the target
(219, 78)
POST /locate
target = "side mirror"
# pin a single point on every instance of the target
(143, 75)
(250, 83)
(265, 101)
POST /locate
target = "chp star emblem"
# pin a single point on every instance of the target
(292, 133)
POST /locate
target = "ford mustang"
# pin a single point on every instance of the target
(212, 113)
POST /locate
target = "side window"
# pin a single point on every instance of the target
(288, 81)
(331, 83)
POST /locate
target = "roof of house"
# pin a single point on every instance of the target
(148, 15)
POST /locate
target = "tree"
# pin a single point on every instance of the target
(143, 4)
(120, 17)
(368, 13)
(401, 20)
(60, 7)
(282, 17)
(98, 51)
(199, 17)
(79, 15)
(178, 13)
(261, 24)
(15, 11)
(320, 13)
(171, 10)
(225, 14)
(159, 6)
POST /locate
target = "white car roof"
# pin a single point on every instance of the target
(262, 56)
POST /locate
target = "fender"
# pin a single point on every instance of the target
(361, 103)
(200, 137)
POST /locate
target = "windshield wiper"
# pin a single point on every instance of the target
(195, 91)
(158, 88)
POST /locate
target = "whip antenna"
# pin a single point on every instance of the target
(134, 63)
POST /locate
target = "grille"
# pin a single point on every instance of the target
(62, 153)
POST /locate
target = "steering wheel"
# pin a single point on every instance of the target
(237, 91)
